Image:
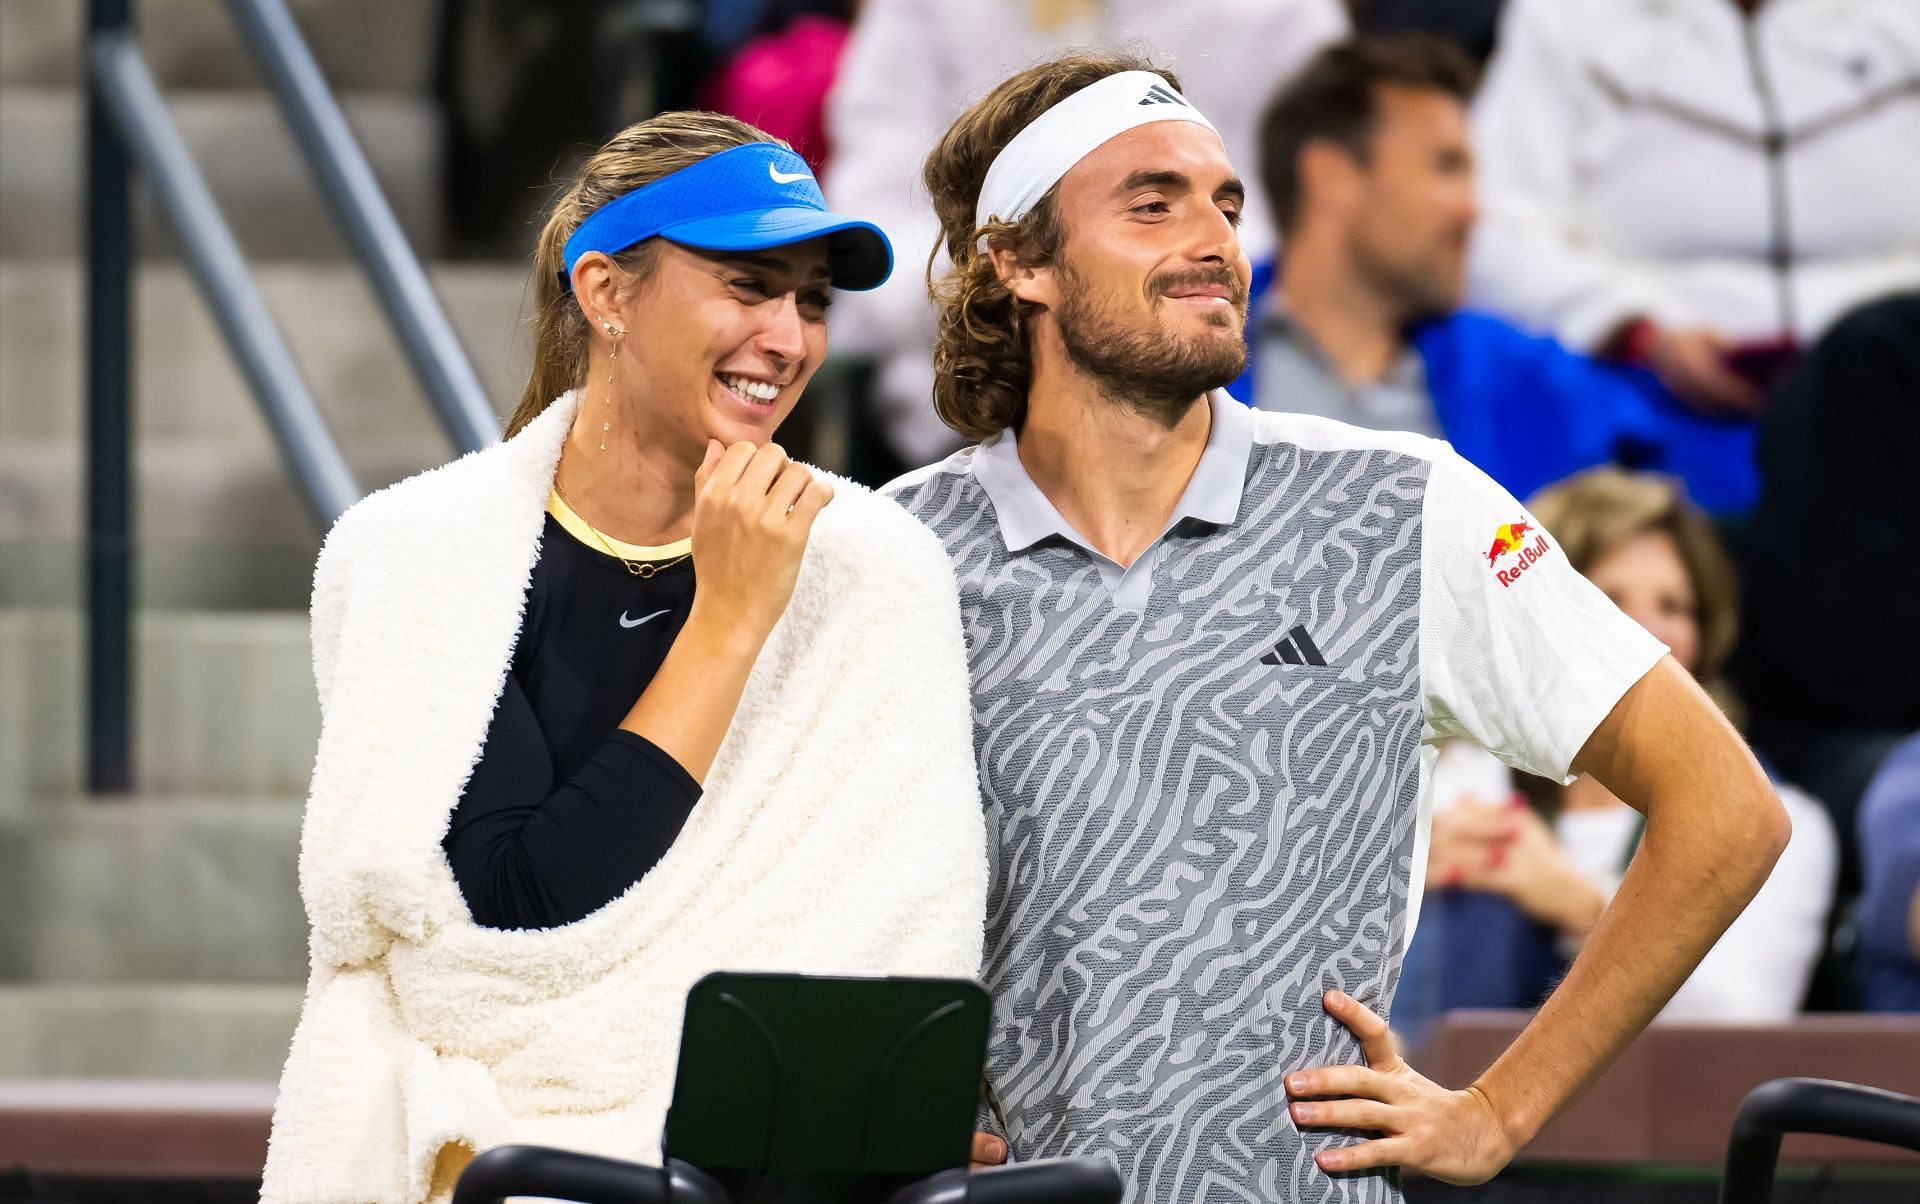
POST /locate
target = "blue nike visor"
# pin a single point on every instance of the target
(748, 198)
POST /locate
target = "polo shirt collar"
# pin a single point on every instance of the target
(1026, 516)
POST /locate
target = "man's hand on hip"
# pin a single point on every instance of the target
(1452, 1136)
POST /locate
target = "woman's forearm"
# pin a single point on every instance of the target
(688, 706)
(752, 517)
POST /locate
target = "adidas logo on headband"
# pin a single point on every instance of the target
(1053, 142)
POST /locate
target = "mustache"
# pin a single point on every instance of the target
(1165, 283)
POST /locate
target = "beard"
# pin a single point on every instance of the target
(1136, 362)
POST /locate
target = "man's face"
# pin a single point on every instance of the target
(1149, 289)
(1415, 206)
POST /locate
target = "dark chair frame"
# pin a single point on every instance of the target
(1798, 1105)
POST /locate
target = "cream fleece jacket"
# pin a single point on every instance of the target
(840, 831)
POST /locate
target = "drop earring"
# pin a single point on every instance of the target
(613, 366)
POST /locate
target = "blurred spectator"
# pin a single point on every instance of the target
(1469, 24)
(505, 75)
(1366, 165)
(1889, 951)
(1830, 664)
(1701, 185)
(526, 88)
(911, 69)
(727, 25)
(1659, 560)
(780, 78)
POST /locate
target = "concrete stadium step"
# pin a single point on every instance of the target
(152, 889)
(186, 383)
(223, 705)
(245, 151)
(219, 523)
(147, 1030)
(384, 45)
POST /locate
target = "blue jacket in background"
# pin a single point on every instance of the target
(1528, 411)
(1472, 950)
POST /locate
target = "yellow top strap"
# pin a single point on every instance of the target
(592, 536)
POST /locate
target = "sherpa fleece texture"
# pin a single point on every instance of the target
(840, 831)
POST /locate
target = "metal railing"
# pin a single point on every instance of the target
(345, 179)
(128, 126)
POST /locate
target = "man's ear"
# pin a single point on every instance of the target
(1330, 178)
(1026, 280)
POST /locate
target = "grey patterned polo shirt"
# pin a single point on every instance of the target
(1205, 773)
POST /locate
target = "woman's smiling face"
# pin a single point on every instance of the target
(720, 344)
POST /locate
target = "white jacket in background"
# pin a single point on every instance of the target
(914, 66)
(840, 831)
(1760, 968)
(1677, 160)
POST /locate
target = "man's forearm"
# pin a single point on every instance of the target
(1714, 828)
(1699, 865)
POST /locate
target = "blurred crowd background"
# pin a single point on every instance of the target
(1654, 265)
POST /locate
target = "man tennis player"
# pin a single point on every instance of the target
(1212, 651)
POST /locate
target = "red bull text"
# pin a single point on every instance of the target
(1510, 539)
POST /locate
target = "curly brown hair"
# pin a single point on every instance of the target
(982, 362)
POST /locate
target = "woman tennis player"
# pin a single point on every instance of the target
(625, 699)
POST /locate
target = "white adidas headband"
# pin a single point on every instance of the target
(1070, 131)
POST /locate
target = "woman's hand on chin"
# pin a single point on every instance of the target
(753, 511)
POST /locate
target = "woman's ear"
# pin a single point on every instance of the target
(595, 290)
(1026, 279)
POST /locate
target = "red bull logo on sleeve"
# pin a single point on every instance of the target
(1512, 539)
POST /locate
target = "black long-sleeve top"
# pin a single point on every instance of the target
(564, 810)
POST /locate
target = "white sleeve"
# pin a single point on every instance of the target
(1518, 652)
(1530, 259)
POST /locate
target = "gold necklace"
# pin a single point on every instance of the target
(642, 569)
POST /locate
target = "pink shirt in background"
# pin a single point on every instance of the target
(780, 82)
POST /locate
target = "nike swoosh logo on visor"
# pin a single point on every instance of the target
(626, 622)
(781, 177)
